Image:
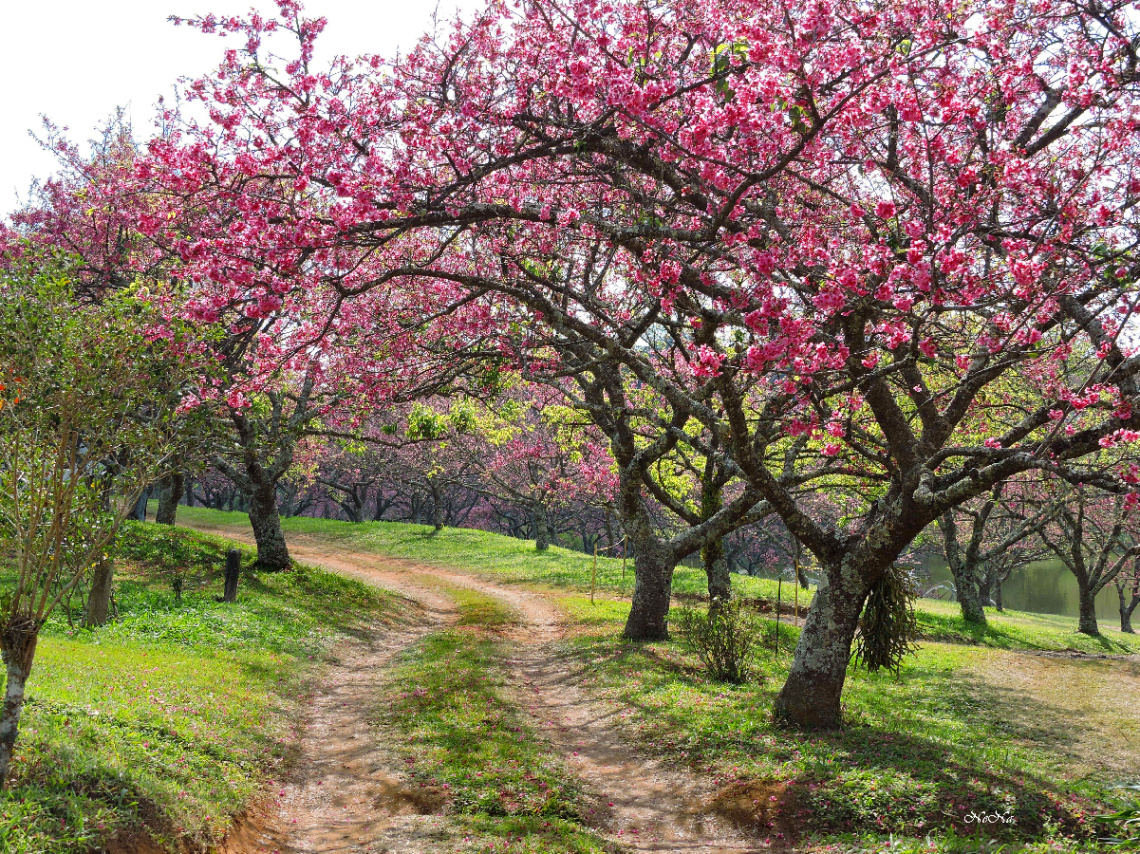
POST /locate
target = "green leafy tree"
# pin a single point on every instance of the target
(85, 427)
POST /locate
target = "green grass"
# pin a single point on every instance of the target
(512, 561)
(504, 559)
(916, 755)
(172, 717)
(919, 752)
(469, 750)
(942, 621)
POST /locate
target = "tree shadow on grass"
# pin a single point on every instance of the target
(916, 756)
(953, 629)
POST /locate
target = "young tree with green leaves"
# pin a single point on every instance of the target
(85, 428)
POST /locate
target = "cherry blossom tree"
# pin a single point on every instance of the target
(825, 242)
(999, 539)
(1096, 536)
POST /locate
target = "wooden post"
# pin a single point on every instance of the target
(797, 595)
(233, 565)
(779, 598)
(594, 574)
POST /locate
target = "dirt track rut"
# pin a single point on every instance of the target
(346, 795)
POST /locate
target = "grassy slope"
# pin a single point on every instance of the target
(920, 752)
(174, 715)
(515, 561)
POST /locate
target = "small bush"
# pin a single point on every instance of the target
(725, 639)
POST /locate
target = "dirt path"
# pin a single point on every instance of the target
(643, 804)
(344, 792)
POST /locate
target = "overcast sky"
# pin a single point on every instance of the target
(75, 61)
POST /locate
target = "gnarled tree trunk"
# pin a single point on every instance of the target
(964, 572)
(969, 597)
(1086, 600)
(541, 523)
(272, 553)
(716, 568)
(98, 609)
(653, 567)
(810, 697)
(18, 643)
(1127, 607)
(169, 494)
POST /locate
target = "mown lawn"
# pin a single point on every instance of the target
(511, 561)
(173, 716)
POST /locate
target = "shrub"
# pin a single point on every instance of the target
(724, 638)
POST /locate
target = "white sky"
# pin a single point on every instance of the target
(75, 61)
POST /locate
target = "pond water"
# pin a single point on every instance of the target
(1043, 588)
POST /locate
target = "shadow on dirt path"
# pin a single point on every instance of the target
(347, 797)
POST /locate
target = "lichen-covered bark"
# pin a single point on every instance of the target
(810, 696)
(653, 568)
(541, 522)
(18, 644)
(169, 494)
(98, 609)
(964, 572)
(719, 577)
(272, 552)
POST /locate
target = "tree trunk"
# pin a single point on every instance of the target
(18, 643)
(984, 590)
(541, 527)
(169, 494)
(652, 588)
(352, 510)
(810, 697)
(272, 553)
(139, 512)
(968, 595)
(997, 597)
(1127, 608)
(189, 482)
(436, 506)
(964, 569)
(716, 568)
(1086, 623)
(98, 609)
